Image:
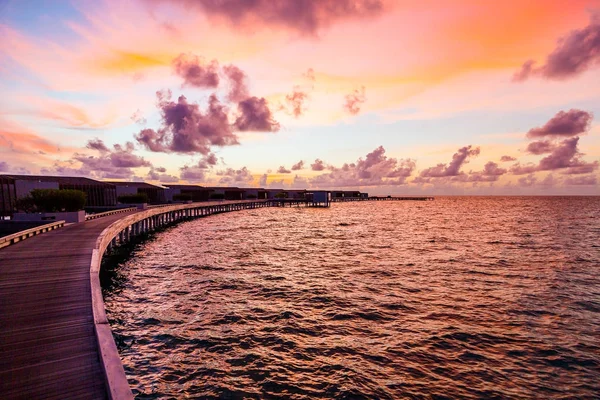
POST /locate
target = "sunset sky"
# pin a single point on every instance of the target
(389, 97)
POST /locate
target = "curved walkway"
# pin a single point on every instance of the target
(48, 346)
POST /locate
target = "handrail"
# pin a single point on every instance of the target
(22, 235)
(107, 213)
(114, 373)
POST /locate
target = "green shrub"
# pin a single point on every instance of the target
(133, 198)
(52, 200)
(182, 197)
(281, 195)
(217, 196)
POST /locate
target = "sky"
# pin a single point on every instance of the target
(404, 97)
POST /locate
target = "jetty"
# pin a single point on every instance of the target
(55, 339)
(381, 198)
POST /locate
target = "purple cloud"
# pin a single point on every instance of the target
(159, 174)
(255, 115)
(304, 16)
(564, 124)
(374, 170)
(582, 180)
(507, 158)
(298, 166)
(453, 169)
(540, 147)
(318, 165)
(138, 117)
(238, 83)
(195, 72)
(186, 129)
(354, 101)
(295, 101)
(575, 53)
(97, 144)
(3, 166)
(283, 170)
(565, 156)
(235, 176)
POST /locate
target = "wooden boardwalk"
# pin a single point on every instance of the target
(48, 347)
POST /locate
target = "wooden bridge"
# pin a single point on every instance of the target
(55, 341)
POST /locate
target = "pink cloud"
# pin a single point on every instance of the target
(575, 53)
(564, 124)
(354, 100)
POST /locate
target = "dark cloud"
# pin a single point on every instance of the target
(254, 115)
(295, 102)
(186, 129)
(283, 170)
(235, 176)
(453, 169)
(582, 180)
(97, 144)
(354, 101)
(195, 72)
(208, 161)
(374, 170)
(565, 156)
(564, 124)
(540, 147)
(575, 53)
(318, 165)
(298, 166)
(507, 158)
(238, 85)
(304, 16)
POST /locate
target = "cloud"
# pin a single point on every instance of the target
(527, 181)
(195, 72)
(295, 101)
(237, 82)
(376, 169)
(97, 144)
(582, 180)
(453, 169)
(282, 170)
(138, 117)
(115, 163)
(318, 165)
(540, 147)
(507, 158)
(565, 156)
(310, 75)
(235, 176)
(4, 167)
(304, 16)
(193, 173)
(186, 129)
(298, 166)
(158, 174)
(564, 124)
(575, 53)
(354, 100)
(254, 115)
(491, 173)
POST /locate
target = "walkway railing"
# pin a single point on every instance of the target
(22, 235)
(112, 212)
(123, 231)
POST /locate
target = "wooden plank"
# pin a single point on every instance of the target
(48, 347)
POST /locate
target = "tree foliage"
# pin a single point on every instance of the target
(52, 200)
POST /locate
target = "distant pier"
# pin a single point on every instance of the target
(381, 198)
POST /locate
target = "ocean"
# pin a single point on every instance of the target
(461, 297)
